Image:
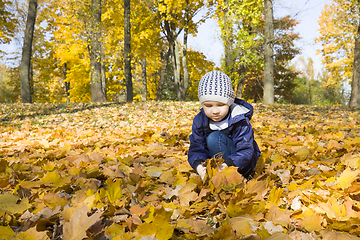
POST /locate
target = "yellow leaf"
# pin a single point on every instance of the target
(52, 200)
(160, 226)
(114, 190)
(329, 235)
(114, 230)
(229, 177)
(79, 222)
(234, 210)
(55, 178)
(278, 216)
(154, 171)
(313, 223)
(146, 229)
(6, 233)
(197, 226)
(187, 194)
(302, 153)
(352, 161)
(279, 236)
(275, 194)
(347, 177)
(32, 234)
(8, 203)
(164, 229)
(241, 225)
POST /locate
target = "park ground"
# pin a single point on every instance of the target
(120, 171)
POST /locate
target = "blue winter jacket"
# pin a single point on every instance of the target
(239, 130)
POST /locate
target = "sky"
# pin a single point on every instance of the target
(306, 11)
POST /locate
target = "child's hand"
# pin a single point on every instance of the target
(222, 166)
(201, 170)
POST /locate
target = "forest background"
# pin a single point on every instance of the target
(64, 54)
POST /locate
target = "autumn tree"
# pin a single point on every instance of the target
(239, 22)
(177, 16)
(244, 59)
(339, 23)
(225, 21)
(8, 22)
(26, 53)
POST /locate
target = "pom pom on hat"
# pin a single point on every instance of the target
(216, 86)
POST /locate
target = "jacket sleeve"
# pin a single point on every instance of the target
(198, 151)
(243, 156)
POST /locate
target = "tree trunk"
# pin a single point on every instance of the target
(103, 71)
(240, 84)
(97, 94)
(127, 51)
(144, 80)
(175, 56)
(175, 60)
(67, 84)
(164, 63)
(227, 39)
(26, 53)
(269, 53)
(354, 98)
(185, 83)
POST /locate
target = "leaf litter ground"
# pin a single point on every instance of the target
(120, 171)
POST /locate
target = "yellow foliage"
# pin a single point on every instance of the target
(337, 33)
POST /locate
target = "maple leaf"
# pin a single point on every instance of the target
(313, 223)
(329, 235)
(8, 204)
(197, 226)
(6, 232)
(278, 216)
(114, 190)
(32, 234)
(55, 178)
(75, 229)
(53, 200)
(242, 225)
(187, 194)
(347, 177)
(229, 177)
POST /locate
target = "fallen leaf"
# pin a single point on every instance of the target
(75, 229)
(8, 204)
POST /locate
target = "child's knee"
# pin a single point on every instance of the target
(213, 139)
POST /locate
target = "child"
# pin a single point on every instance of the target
(222, 127)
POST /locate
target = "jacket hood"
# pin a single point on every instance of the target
(241, 108)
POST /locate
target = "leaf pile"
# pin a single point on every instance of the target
(121, 172)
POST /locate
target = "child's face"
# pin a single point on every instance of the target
(214, 110)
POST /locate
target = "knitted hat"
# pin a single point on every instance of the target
(216, 86)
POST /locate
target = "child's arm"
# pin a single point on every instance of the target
(198, 151)
(243, 137)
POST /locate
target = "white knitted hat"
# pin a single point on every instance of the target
(216, 86)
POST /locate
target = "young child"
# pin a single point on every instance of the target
(222, 127)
